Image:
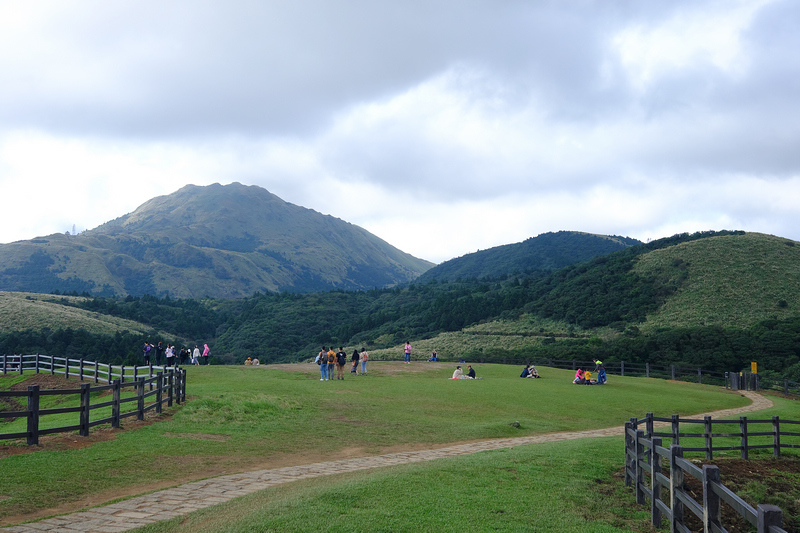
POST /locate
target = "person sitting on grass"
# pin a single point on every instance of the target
(579, 378)
(249, 361)
(532, 373)
(471, 373)
(458, 373)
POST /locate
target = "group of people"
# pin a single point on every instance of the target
(585, 377)
(458, 373)
(330, 361)
(529, 372)
(152, 351)
(253, 361)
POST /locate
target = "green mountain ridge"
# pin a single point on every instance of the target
(535, 256)
(215, 241)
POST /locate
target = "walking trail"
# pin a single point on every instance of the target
(184, 499)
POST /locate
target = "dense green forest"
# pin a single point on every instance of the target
(604, 292)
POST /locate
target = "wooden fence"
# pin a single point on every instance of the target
(644, 455)
(134, 391)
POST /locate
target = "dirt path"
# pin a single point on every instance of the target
(189, 497)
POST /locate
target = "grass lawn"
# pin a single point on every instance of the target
(246, 418)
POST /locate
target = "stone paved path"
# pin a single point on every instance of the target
(182, 500)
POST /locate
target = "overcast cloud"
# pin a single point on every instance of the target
(443, 127)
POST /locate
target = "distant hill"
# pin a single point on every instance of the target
(537, 255)
(216, 241)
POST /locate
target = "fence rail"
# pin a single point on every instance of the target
(644, 453)
(134, 391)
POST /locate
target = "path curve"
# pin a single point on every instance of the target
(184, 499)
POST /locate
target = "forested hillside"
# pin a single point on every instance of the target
(534, 257)
(739, 294)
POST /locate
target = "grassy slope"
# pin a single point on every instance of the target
(733, 281)
(20, 311)
(261, 416)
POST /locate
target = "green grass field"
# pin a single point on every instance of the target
(246, 418)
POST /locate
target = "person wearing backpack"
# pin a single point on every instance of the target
(341, 360)
(322, 361)
(331, 362)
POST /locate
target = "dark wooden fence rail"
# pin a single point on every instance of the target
(643, 456)
(745, 430)
(148, 389)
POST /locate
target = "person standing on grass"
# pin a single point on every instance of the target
(341, 360)
(206, 351)
(331, 362)
(407, 353)
(196, 356)
(159, 351)
(322, 361)
(364, 358)
(170, 355)
(146, 352)
(354, 360)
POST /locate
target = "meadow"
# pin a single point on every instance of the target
(247, 418)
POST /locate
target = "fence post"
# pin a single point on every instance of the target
(711, 501)
(5, 364)
(769, 515)
(743, 431)
(96, 372)
(178, 380)
(35, 363)
(676, 435)
(639, 447)
(786, 386)
(140, 395)
(700, 376)
(648, 425)
(622, 368)
(628, 452)
(183, 384)
(85, 389)
(655, 484)
(33, 414)
(52, 364)
(170, 384)
(776, 431)
(66, 368)
(122, 373)
(708, 436)
(675, 486)
(673, 372)
(159, 391)
(647, 370)
(115, 407)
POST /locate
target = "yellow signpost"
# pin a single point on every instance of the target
(754, 367)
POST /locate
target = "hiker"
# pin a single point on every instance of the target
(183, 355)
(206, 351)
(354, 360)
(407, 353)
(364, 358)
(579, 378)
(196, 356)
(322, 361)
(146, 352)
(458, 373)
(170, 355)
(341, 360)
(331, 363)
(471, 372)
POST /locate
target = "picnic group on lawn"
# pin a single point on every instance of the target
(585, 377)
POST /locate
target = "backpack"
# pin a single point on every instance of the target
(318, 360)
(341, 358)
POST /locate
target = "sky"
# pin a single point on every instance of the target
(443, 127)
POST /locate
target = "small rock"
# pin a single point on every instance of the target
(514, 424)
